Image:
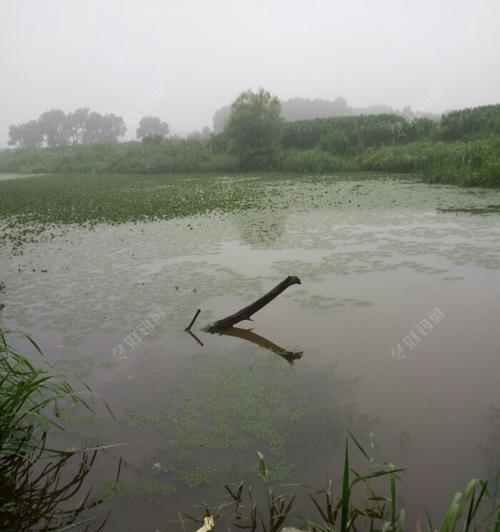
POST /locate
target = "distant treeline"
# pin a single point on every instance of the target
(309, 109)
(461, 147)
(55, 128)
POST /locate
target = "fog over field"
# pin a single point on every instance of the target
(182, 60)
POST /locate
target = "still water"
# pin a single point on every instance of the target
(394, 335)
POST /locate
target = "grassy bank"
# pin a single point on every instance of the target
(462, 148)
(473, 162)
(470, 162)
(167, 156)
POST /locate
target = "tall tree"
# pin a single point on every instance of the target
(151, 126)
(254, 129)
(28, 135)
(103, 128)
(53, 126)
(76, 125)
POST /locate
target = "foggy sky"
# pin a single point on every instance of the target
(182, 59)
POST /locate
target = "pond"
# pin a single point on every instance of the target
(393, 335)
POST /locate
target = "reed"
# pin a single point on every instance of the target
(30, 398)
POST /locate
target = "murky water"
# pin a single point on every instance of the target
(393, 335)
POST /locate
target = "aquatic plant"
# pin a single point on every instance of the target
(269, 508)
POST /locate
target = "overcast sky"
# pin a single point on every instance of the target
(182, 59)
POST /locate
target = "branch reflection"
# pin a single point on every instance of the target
(254, 338)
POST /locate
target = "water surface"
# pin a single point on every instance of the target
(394, 336)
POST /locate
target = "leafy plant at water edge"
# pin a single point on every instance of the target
(245, 508)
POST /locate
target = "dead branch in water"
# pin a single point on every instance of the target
(188, 328)
(247, 312)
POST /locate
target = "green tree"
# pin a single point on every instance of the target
(151, 126)
(76, 125)
(103, 128)
(28, 135)
(254, 129)
(53, 126)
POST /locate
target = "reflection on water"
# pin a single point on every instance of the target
(491, 447)
(39, 493)
(373, 258)
(254, 338)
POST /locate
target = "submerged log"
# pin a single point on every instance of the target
(247, 312)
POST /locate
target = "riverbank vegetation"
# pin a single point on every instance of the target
(462, 147)
(360, 501)
(30, 399)
(36, 479)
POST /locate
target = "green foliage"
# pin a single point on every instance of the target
(151, 126)
(464, 148)
(466, 163)
(336, 141)
(471, 123)
(152, 156)
(312, 161)
(347, 134)
(308, 109)
(56, 128)
(254, 129)
(28, 135)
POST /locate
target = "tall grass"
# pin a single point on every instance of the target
(166, 156)
(40, 489)
(475, 162)
(30, 398)
(312, 161)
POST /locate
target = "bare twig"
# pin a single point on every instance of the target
(188, 328)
